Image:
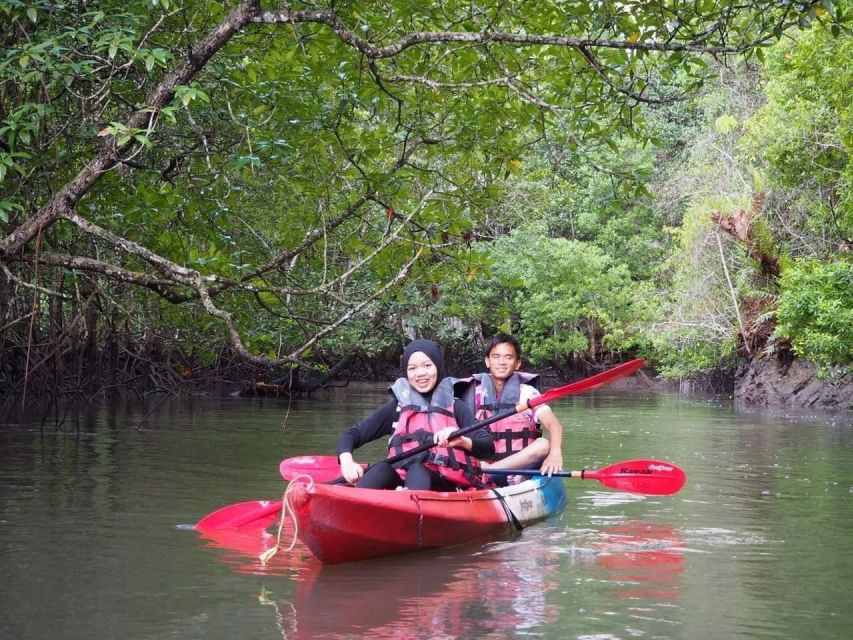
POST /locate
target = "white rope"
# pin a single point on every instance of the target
(287, 509)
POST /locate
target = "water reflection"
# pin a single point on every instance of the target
(499, 590)
(423, 596)
(625, 569)
(643, 560)
(492, 591)
(241, 549)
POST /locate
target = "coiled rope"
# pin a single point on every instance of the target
(287, 510)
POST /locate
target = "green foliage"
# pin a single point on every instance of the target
(688, 351)
(562, 298)
(298, 176)
(596, 195)
(695, 328)
(816, 310)
(805, 130)
(58, 63)
(784, 166)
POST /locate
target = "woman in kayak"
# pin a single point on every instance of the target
(421, 410)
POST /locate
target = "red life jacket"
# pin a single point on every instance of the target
(418, 420)
(515, 432)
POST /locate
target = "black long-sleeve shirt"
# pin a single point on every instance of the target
(381, 423)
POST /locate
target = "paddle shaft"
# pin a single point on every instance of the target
(587, 384)
(521, 406)
(534, 472)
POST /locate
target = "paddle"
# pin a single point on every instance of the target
(303, 463)
(320, 468)
(239, 515)
(258, 514)
(651, 477)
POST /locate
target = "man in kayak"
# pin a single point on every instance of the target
(422, 410)
(519, 440)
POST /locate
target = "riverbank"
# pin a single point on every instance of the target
(789, 382)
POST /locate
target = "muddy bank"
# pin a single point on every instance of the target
(789, 382)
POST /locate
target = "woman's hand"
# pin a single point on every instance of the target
(443, 439)
(350, 469)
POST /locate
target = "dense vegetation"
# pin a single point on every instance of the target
(188, 185)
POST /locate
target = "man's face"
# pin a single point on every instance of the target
(502, 361)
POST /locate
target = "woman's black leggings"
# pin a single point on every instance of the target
(379, 476)
(418, 477)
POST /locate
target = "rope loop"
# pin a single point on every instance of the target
(287, 510)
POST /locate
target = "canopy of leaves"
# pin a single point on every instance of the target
(182, 167)
(564, 299)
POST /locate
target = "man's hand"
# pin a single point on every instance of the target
(553, 463)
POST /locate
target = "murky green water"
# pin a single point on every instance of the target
(757, 544)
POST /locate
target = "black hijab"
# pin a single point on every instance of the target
(432, 351)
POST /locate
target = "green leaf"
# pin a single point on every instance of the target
(726, 124)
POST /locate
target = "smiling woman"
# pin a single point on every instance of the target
(422, 409)
(421, 372)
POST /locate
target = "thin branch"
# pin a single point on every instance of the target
(348, 36)
(732, 292)
(401, 275)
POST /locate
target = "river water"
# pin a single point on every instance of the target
(756, 545)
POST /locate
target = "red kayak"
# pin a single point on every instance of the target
(343, 524)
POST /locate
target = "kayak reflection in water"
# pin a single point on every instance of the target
(499, 594)
(423, 409)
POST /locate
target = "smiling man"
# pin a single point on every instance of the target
(519, 439)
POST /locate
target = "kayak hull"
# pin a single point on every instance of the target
(344, 524)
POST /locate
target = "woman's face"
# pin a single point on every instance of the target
(421, 372)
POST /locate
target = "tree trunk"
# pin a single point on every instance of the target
(5, 296)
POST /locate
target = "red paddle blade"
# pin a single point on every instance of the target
(588, 384)
(320, 468)
(652, 477)
(257, 514)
